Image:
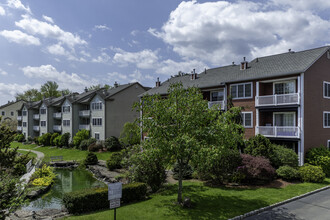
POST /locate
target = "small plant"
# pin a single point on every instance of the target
(95, 147)
(91, 159)
(114, 162)
(288, 173)
(43, 176)
(80, 136)
(311, 173)
(112, 144)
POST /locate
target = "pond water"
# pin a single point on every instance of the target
(66, 181)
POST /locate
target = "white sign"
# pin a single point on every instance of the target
(114, 191)
(115, 203)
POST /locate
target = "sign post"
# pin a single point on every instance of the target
(114, 196)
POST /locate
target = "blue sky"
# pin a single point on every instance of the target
(81, 43)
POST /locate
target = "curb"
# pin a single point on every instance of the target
(257, 211)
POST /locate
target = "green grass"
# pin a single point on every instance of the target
(209, 203)
(28, 152)
(68, 154)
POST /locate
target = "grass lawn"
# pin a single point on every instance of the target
(209, 203)
(68, 154)
(28, 152)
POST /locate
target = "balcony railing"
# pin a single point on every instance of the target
(57, 127)
(36, 128)
(276, 100)
(36, 116)
(279, 131)
(57, 115)
(221, 103)
(19, 128)
(19, 118)
(85, 113)
(86, 127)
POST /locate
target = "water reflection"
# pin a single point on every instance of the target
(66, 181)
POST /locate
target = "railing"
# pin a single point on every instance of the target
(275, 100)
(19, 128)
(85, 113)
(36, 128)
(57, 115)
(221, 103)
(19, 118)
(36, 116)
(57, 127)
(86, 127)
(279, 131)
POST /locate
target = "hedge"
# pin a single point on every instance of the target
(94, 199)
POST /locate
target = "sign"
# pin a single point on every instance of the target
(114, 203)
(114, 191)
(28, 166)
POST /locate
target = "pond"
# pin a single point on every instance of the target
(66, 181)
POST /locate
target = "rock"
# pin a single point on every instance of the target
(186, 202)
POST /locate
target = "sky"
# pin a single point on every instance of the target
(80, 43)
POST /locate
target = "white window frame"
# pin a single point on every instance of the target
(66, 124)
(43, 109)
(220, 90)
(325, 112)
(243, 119)
(324, 95)
(43, 125)
(97, 125)
(11, 113)
(66, 106)
(244, 97)
(97, 133)
(23, 113)
(286, 81)
(3, 113)
(96, 106)
(24, 123)
(279, 113)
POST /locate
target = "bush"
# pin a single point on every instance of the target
(36, 140)
(80, 136)
(91, 159)
(65, 139)
(43, 176)
(112, 144)
(288, 173)
(19, 138)
(52, 139)
(283, 156)
(95, 147)
(186, 174)
(259, 146)
(94, 199)
(85, 143)
(257, 170)
(324, 163)
(313, 154)
(311, 173)
(45, 139)
(57, 141)
(130, 134)
(114, 162)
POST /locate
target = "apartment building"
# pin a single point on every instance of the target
(102, 112)
(286, 97)
(9, 110)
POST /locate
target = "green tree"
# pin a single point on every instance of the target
(130, 135)
(29, 95)
(99, 86)
(7, 154)
(50, 89)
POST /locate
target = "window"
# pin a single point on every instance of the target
(247, 118)
(66, 109)
(24, 112)
(326, 90)
(97, 136)
(241, 91)
(287, 87)
(43, 123)
(328, 144)
(284, 119)
(96, 105)
(24, 124)
(217, 96)
(12, 113)
(97, 121)
(3, 113)
(66, 123)
(43, 111)
(326, 119)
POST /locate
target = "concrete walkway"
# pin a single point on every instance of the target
(315, 206)
(26, 177)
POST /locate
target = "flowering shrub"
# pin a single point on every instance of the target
(43, 176)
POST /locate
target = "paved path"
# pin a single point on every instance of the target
(315, 207)
(26, 177)
(39, 154)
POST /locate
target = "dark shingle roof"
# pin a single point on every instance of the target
(289, 63)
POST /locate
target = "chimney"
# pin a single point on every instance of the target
(233, 63)
(193, 75)
(115, 85)
(86, 90)
(244, 64)
(157, 82)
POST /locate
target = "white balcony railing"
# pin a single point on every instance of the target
(57, 115)
(57, 127)
(36, 116)
(279, 131)
(86, 127)
(221, 103)
(19, 118)
(19, 128)
(36, 128)
(85, 113)
(275, 100)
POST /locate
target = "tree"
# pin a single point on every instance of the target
(99, 86)
(7, 154)
(50, 89)
(179, 126)
(130, 134)
(29, 95)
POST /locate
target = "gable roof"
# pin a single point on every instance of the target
(289, 63)
(11, 103)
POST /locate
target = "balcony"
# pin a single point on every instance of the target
(279, 131)
(85, 113)
(57, 127)
(57, 115)
(36, 128)
(221, 103)
(19, 118)
(86, 127)
(36, 116)
(278, 100)
(19, 128)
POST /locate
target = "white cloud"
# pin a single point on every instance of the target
(171, 67)
(145, 59)
(19, 37)
(58, 50)
(103, 58)
(2, 11)
(303, 4)
(116, 77)
(8, 91)
(136, 76)
(34, 26)
(102, 27)
(49, 19)
(222, 32)
(18, 5)
(3, 73)
(84, 53)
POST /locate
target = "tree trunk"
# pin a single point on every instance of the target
(180, 185)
